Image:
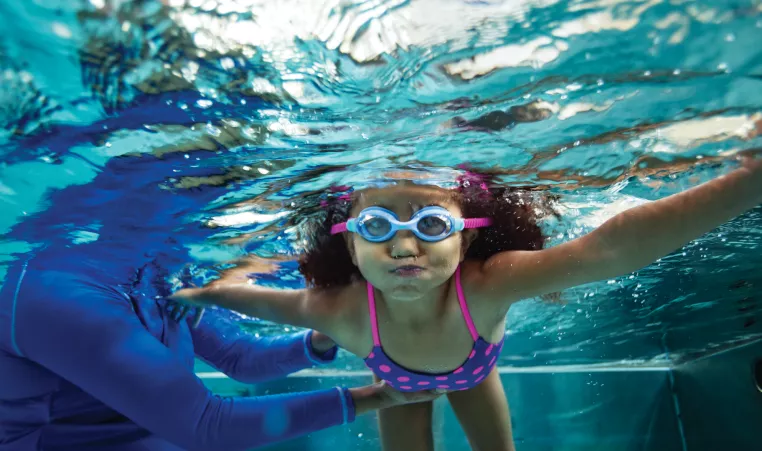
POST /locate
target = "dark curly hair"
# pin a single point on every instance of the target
(514, 211)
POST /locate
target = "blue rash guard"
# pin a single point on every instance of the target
(87, 363)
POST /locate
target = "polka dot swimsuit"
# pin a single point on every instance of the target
(477, 366)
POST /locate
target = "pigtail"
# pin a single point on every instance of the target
(326, 262)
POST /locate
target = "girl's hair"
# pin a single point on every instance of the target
(514, 211)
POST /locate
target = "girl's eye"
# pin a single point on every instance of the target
(376, 226)
(432, 225)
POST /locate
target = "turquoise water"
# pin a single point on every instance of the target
(218, 123)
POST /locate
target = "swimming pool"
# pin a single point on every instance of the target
(221, 119)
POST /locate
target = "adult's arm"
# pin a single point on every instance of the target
(250, 359)
(93, 339)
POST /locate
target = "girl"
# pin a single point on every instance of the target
(417, 280)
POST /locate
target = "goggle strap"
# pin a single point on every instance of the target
(338, 228)
(474, 223)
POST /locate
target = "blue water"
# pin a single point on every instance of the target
(201, 132)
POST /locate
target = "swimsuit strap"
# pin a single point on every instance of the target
(464, 306)
(373, 318)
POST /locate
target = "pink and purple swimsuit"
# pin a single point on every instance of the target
(469, 374)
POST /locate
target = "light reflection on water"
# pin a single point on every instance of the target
(605, 103)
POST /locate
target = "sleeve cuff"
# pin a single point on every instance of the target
(347, 404)
(314, 357)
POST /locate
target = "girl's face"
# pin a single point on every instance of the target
(405, 267)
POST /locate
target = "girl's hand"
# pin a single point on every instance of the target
(188, 296)
(181, 302)
(753, 164)
(321, 342)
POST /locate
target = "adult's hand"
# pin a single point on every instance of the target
(381, 396)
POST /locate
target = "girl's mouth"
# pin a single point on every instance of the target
(408, 270)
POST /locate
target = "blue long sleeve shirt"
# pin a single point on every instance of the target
(86, 365)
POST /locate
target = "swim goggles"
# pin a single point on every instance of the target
(377, 224)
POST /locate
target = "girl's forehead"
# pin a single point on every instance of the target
(400, 196)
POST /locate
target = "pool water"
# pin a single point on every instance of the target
(202, 131)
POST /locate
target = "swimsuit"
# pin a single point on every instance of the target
(477, 366)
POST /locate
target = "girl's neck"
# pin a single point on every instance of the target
(427, 307)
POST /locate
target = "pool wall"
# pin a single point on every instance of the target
(719, 402)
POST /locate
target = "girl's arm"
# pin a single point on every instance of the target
(309, 308)
(626, 242)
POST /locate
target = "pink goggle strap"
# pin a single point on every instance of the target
(473, 223)
(338, 228)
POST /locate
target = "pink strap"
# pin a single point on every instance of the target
(373, 318)
(338, 228)
(464, 306)
(473, 223)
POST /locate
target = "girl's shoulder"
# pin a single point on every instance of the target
(480, 296)
(472, 275)
(349, 323)
(344, 304)
(345, 294)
